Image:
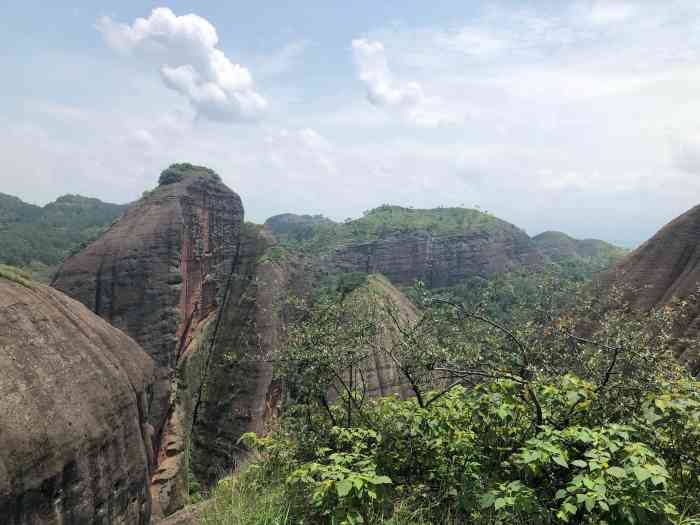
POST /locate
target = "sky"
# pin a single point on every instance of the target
(581, 116)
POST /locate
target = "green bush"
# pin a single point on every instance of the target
(177, 172)
(515, 422)
(474, 456)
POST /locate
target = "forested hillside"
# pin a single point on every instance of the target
(39, 238)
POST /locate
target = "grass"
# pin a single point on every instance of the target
(255, 496)
(241, 500)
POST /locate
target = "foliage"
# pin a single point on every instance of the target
(571, 411)
(573, 254)
(274, 254)
(177, 172)
(466, 458)
(39, 238)
(315, 234)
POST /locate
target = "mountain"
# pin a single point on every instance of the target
(443, 247)
(559, 246)
(664, 267)
(206, 295)
(159, 274)
(440, 247)
(290, 228)
(40, 238)
(75, 445)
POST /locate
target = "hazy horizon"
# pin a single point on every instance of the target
(576, 116)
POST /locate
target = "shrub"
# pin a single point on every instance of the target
(177, 172)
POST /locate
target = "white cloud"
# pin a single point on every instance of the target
(373, 69)
(384, 91)
(611, 11)
(190, 63)
(558, 119)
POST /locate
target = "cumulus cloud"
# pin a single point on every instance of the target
(190, 63)
(382, 89)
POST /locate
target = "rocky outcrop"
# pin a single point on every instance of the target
(75, 444)
(441, 247)
(664, 267)
(159, 274)
(379, 374)
(438, 260)
(241, 394)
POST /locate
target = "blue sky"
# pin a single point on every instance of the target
(578, 115)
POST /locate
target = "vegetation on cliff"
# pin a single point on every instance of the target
(316, 234)
(583, 255)
(176, 172)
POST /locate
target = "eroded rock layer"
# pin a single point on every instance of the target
(74, 439)
(156, 273)
(240, 391)
(159, 274)
(664, 267)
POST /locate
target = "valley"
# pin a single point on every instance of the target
(177, 331)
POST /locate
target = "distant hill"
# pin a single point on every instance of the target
(442, 247)
(39, 238)
(296, 229)
(317, 234)
(586, 256)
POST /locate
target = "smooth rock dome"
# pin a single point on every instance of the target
(75, 447)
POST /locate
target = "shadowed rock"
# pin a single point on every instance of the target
(74, 441)
(664, 267)
(241, 394)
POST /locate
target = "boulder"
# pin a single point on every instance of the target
(666, 266)
(75, 444)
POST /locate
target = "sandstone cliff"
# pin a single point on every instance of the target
(241, 394)
(441, 247)
(159, 274)
(74, 441)
(664, 267)
(379, 373)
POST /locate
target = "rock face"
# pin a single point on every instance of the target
(664, 267)
(438, 261)
(159, 274)
(441, 247)
(74, 441)
(379, 373)
(241, 394)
